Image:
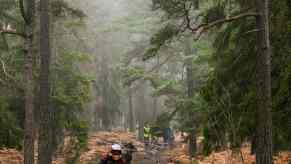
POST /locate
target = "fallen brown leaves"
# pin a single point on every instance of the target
(98, 143)
(243, 156)
(10, 156)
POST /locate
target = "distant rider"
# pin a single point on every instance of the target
(146, 134)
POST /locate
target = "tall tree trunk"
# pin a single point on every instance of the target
(141, 111)
(29, 83)
(155, 108)
(196, 4)
(264, 144)
(45, 131)
(131, 115)
(190, 93)
(155, 102)
(140, 127)
(106, 115)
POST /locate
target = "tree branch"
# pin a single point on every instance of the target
(22, 11)
(15, 83)
(12, 32)
(252, 31)
(198, 30)
(144, 78)
(4, 70)
(158, 66)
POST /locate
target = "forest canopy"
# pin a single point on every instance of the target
(217, 69)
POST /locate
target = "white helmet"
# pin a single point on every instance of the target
(116, 147)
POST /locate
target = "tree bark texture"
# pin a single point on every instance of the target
(156, 99)
(29, 127)
(131, 114)
(264, 143)
(45, 132)
(190, 93)
(141, 110)
(155, 108)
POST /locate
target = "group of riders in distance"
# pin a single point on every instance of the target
(122, 154)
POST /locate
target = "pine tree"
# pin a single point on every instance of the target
(29, 127)
(45, 148)
(264, 148)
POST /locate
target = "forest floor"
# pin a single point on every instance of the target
(180, 155)
(99, 143)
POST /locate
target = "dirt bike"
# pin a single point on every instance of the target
(128, 150)
(153, 151)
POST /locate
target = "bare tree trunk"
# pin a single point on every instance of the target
(141, 111)
(192, 143)
(264, 144)
(155, 102)
(155, 108)
(29, 83)
(106, 115)
(190, 92)
(140, 127)
(131, 115)
(196, 4)
(45, 132)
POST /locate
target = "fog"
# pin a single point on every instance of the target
(113, 29)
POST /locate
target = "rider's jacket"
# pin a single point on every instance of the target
(108, 160)
(147, 132)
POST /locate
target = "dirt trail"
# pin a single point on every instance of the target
(99, 143)
(143, 158)
(10, 156)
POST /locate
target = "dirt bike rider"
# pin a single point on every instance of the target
(147, 134)
(114, 157)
